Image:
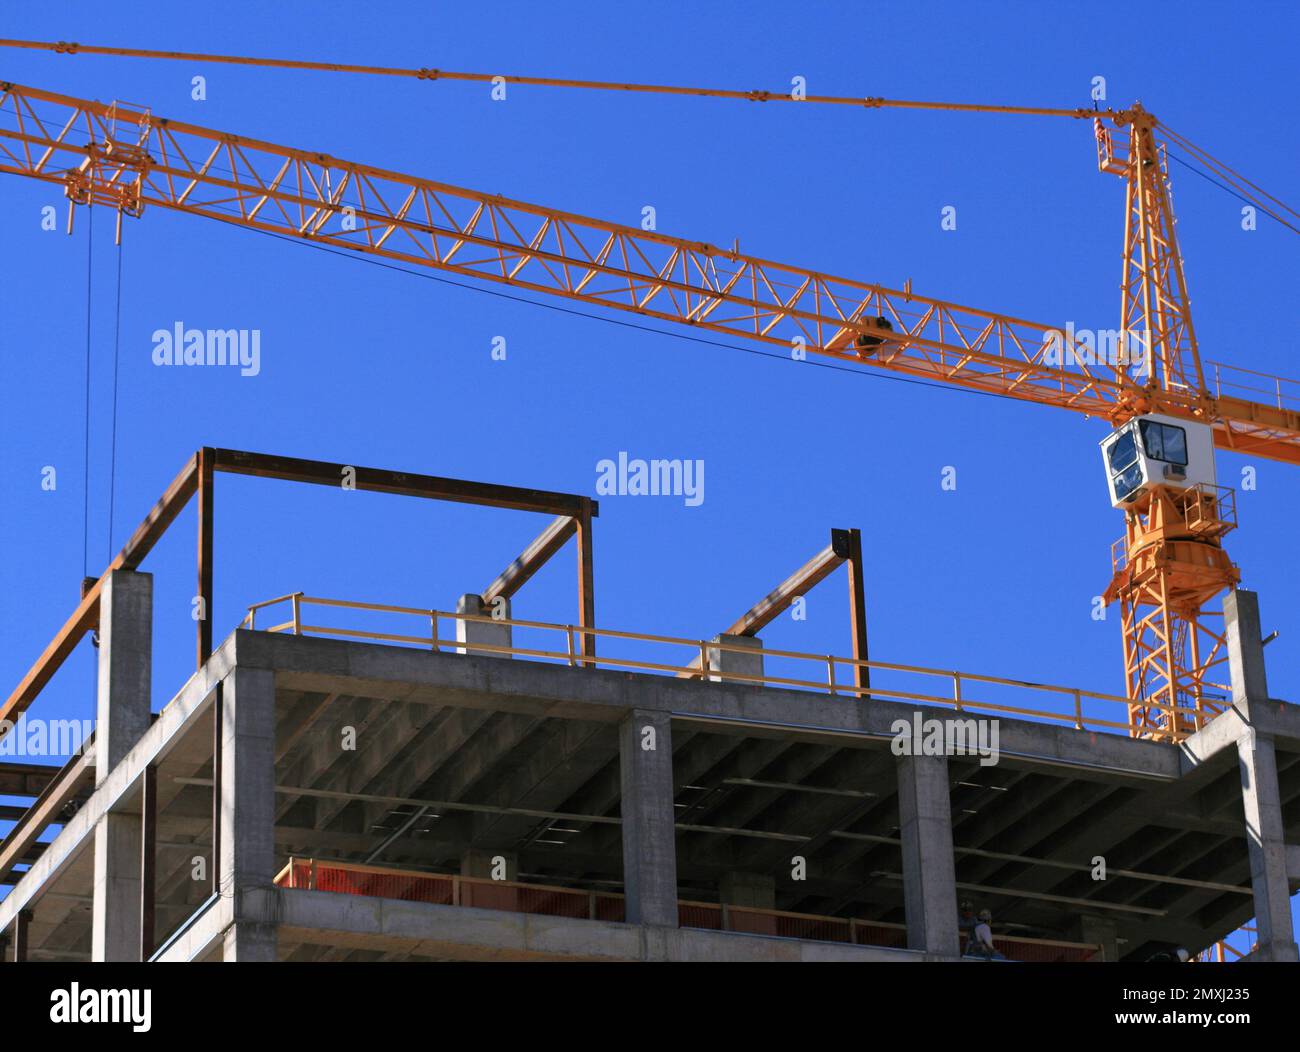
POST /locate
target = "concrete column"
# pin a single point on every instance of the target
(122, 716)
(1262, 803)
(249, 941)
(1260, 797)
(483, 864)
(755, 890)
(649, 836)
(480, 631)
(1100, 931)
(735, 662)
(247, 862)
(1245, 646)
(929, 875)
(115, 926)
(125, 667)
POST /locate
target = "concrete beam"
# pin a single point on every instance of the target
(163, 734)
(1278, 720)
(212, 929)
(199, 935)
(649, 836)
(557, 760)
(755, 890)
(538, 688)
(465, 933)
(489, 865)
(929, 875)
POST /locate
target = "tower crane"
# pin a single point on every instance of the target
(1166, 416)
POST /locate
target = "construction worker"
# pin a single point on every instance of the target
(1177, 956)
(966, 921)
(981, 943)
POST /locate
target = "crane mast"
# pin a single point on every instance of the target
(1170, 565)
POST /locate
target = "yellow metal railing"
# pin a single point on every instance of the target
(961, 690)
(1209, 511)
(1268, 388)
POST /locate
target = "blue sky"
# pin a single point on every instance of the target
(363, 365)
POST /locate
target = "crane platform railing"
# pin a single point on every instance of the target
(965, 692)
(1208, 511)
(1280, 392)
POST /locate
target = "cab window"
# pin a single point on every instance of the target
(1164, 442)
(1128, 481)
(1122, 452)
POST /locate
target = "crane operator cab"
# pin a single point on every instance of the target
(1156, 450)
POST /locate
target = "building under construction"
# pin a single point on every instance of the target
(340, 780)
(345, 779)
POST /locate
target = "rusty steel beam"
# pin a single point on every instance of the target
(799, 583)
(852, 542)
(845, 547)
(54, 788)
(586, 581)
(72, 779)
(531, 559)
(196, 477)
(160, 517)
(86, 615)
(33, 852)
(206, 492)
(26, 779)
(402, 483)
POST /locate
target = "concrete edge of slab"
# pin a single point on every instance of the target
(466, 933)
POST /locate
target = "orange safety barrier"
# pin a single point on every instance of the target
(515, 897)
(1043, 951)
